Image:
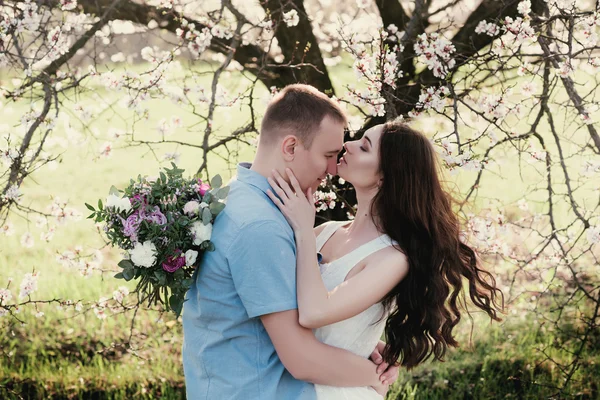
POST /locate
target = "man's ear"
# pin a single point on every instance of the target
(289, 146)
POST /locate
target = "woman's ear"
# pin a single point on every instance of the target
(288, 147)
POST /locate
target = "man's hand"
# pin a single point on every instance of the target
(388, 374)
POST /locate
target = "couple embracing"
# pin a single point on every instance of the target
(283, 311)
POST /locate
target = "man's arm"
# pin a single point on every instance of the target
(309, 360)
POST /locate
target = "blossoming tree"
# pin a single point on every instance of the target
(507, 91)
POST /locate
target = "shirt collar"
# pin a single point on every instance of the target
(246, 175)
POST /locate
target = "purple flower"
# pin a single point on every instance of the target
(174, 263)
(131, 225)
(156, 217)
(137, 200)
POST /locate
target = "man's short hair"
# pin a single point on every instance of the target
(298, 110)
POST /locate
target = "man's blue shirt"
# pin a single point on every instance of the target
(227, 353)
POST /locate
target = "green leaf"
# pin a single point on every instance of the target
(126, 264)
(216, 182)
(206, 216)
(90, 207)
(161, 276)
(187, 283)
(179, 274)
(216, 208)
(207, 197)
(128, 274)
(176, 303)
(114, 190)
(119, 276)
(92, 215)
(163, 177)
(100, 204)
(222, 193)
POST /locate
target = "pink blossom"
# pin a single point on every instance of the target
(202, 187)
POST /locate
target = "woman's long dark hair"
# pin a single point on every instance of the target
(414, 210)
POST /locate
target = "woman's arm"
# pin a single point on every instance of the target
(316, 306)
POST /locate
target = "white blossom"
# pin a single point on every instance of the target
(524, 7)
(68, 5)
(191, 208)
(200, 232)
(291, 18)
(5, 296)
(28, 285)
(190, 257)
(593, 235)
(120, 294)
(118, 203)
(143, 254)
(27, 240)
(7, 229)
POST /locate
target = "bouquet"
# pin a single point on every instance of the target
(163, 225)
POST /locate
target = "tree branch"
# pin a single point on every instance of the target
(299, 44)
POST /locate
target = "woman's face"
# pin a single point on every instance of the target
(360, 162)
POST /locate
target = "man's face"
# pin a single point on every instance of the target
(312, 165)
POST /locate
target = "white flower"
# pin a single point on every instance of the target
(362, 3)
(27, 240)
(13, 194)
(148, 54)
(47, 236)
(7, 229)
(106, 149)
(489, 28)
(565, 69)
(522, 204)
(528, 89)
(191, 208)
(593, 234)
(120, 294)
(190, 257)
(5, 296)
(200, 232)
(524, 7)
(120, 204)
(291, 18)
(68, 5)
(143, 254)
(28, 285)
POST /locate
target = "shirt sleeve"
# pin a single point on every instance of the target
(262, 261)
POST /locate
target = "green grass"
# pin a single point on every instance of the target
(76, 355)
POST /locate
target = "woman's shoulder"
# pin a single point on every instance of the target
(389, 255)
(317, 230)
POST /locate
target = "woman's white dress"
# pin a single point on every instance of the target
(359, 334)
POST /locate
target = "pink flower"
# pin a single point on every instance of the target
(174, 263)
(203, 187)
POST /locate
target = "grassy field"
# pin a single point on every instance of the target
(67, 354)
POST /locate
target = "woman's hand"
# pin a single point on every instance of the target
(297, 207)
(381, 388)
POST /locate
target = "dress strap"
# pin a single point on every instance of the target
(362, 252)
(328, 231)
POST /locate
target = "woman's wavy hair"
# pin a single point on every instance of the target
(413, 208)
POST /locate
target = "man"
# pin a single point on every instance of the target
(242, 339)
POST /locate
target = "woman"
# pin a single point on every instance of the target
(397, 268)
